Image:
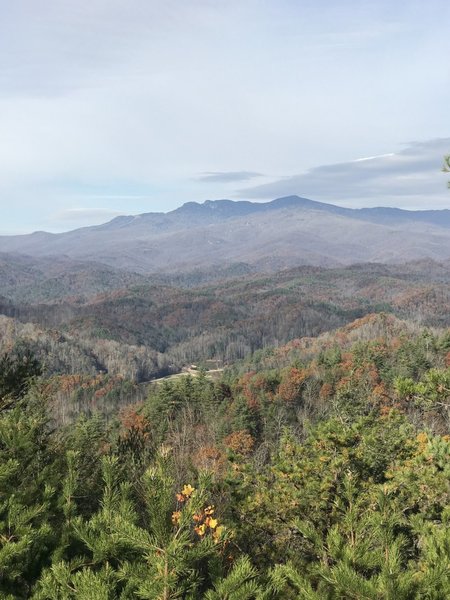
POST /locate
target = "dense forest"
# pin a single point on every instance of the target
(318, 469)
(141, 331)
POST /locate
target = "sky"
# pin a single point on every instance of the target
(112, 107)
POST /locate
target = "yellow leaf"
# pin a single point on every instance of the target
(200, 530)
(218, 532)
(176, 516)
(188, 490)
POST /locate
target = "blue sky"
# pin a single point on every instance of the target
(112, 107)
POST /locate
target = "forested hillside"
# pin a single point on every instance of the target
(152, 329)
(319, 469)
(313, 464)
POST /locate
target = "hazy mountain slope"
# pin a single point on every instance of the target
(40, 279)
(283, 233)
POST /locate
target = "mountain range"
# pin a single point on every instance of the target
(267, 236)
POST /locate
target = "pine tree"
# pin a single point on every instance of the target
(27, 494)
(171, 550)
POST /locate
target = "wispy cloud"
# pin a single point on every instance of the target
(79, 216)
(411, 178)
(114, 197)
(227, 176)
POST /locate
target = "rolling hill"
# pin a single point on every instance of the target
(165, 327)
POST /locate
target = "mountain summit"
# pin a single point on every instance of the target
(285, 232)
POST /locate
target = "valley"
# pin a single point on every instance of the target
(142, 328)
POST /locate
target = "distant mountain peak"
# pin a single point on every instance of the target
(297, 202)
(218, 208)
(287, 231)
(229, 208)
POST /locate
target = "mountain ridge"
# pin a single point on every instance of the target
(267, 235)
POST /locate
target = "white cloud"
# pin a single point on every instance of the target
(227, 177)
(374, 157)
(86, 214)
